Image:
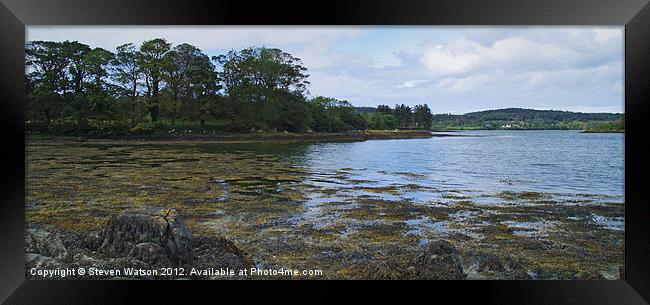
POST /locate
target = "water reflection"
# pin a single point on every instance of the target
(491, 162)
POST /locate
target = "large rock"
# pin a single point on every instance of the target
(515, 270)
(44, 243)
(150, 237)
(86, 259)
(149, 253)
(488, 266)
(136, 239)
(215, 252)
(383, 269)
(438, 261)
(38, 261)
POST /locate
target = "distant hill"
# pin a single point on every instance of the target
(519, 118)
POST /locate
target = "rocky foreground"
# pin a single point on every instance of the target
(133, 239)
(145, 241)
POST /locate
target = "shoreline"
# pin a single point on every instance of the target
(246, 137)
(603, 131)
(266, 137)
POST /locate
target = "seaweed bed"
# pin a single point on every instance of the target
(285, 216)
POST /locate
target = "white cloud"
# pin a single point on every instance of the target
(442, 60)
(469, 83)
(530, 54)
(604, 75)
(204, 37)
(603, 35)
(412, 83)
(512, 53)
(346, 86)
(320, 57)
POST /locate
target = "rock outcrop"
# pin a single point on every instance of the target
(33, 260)
(438, 261)
(488, 266)
(43, 250)
(150, 237)
(44, 243)
(211, 252)
(136, 239)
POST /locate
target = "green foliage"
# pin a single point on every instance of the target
(384, 109)
(147, 127)
(109, 127)
(127, 72)
(251, 71)
(67, 81)
(43, 106)
(131, 109)
(422, 116)
(265, 89)
(189, 76)
(157, 87)
(381, 120)
(325, 120)
(152, 60)
(612, 126)
(402, 117)
(332, 115)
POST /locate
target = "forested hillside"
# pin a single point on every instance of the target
(518, 118)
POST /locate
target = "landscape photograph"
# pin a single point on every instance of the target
(324, 152)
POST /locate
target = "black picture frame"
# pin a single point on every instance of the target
(16, 14)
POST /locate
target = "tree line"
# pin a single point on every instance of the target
(75, 88)
(519, 118)
(400, 117)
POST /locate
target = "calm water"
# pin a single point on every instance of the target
(485, 162)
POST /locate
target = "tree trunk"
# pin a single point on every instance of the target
(133, 107)
(154, 109)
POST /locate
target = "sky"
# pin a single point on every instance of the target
(452, 69)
